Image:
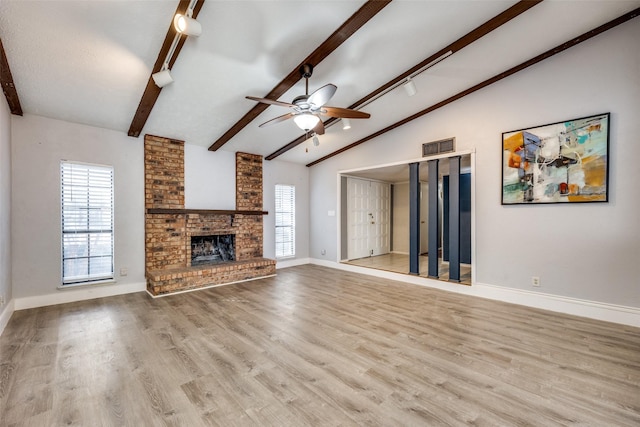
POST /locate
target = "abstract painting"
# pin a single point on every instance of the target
(564, 162)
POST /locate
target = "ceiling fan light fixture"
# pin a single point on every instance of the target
(162, 78)
(410, 87)
(306, 121)
(187, 25)
(346, 124)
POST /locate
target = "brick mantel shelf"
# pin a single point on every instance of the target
(204, 212)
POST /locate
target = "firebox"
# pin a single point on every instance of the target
(213, 249)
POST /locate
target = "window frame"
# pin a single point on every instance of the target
(279, 249)
(106, 172)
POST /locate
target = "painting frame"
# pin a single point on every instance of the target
(565, 162)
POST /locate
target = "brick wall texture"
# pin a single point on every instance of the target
(168, 235)
(163, 173)
(248, 182)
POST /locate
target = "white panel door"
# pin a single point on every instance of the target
(358, 218)
(368, 218)
(379, 213)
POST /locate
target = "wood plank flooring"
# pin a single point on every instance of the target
(399, 263)
(315, 346)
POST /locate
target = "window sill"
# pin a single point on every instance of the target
(83, 284)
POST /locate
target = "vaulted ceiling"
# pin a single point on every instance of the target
(89, 62)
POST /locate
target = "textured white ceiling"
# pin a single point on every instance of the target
(89, 61)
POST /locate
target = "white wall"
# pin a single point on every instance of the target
(209, 178)
(583, 251)
(5, 209)
(401, 218)
(210, 184)
(38, 145)
(279, 172)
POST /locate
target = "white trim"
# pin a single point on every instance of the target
(74, 285)
(406, 162)
(292, 262)
(206, 287)
(368, 179)
(574, 306)
(78, 294)
(578, 307)
(6, 314)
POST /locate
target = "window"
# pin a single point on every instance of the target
(285, 220)
(87, 222)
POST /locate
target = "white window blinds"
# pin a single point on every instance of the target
(87, 222)
(285, 220)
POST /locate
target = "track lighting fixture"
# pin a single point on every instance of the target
(186, 25)
(306, 121)
(410, 87)
(346, 124)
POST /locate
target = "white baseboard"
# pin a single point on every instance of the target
(578, 307)
(78, 294)
(292, 262)
(5, 316)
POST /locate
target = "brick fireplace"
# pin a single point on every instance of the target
(171, 230)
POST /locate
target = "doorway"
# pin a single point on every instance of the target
(396, 257)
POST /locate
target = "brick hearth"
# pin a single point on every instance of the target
(169, 226)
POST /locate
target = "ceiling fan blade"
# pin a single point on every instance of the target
(319, 128)
(321, 96)
(277, 120)
(271, 101)
(344, 113)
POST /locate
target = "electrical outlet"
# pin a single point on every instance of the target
(535, 281)
(124, 271)
(1, 299)
(323, 252)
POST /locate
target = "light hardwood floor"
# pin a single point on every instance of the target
(315, 346)
(399, 263)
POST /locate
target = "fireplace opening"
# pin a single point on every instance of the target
(213, 249)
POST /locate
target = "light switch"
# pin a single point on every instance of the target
(332, 213)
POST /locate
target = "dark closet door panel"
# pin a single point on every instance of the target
(465, 218)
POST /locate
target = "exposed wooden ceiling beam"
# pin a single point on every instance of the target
(462, 42)
(8, 87)
(346, 30)
(152, 92)
(560, 48)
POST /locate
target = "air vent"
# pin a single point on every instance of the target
(437, 147)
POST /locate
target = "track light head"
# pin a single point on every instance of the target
(187, 25)
(346, 124)
(162, 78)
(410, 87)
(316, 141)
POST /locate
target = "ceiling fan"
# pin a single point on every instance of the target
(307, 109)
